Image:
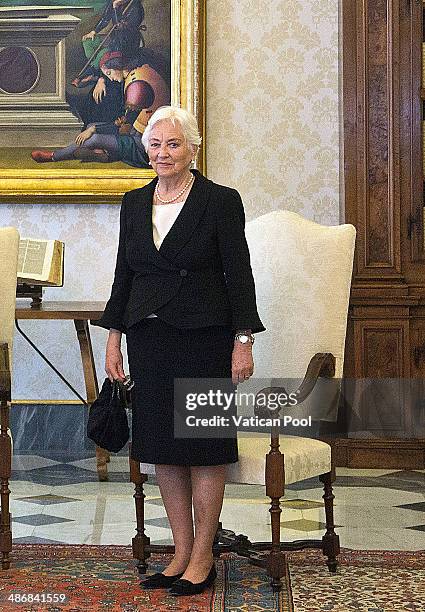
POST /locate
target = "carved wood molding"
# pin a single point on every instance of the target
(379, 453)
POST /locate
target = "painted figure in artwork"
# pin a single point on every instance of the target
(118, 29)
(144, 90)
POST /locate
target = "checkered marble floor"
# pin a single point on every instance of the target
(59, 499)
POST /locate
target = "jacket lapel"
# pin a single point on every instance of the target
(145, 218)
(188, 219)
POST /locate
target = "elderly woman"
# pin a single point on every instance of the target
(184, 294)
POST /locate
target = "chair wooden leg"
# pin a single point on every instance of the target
(275, 488)
(5, 471)
(330, 540)
(140, 540)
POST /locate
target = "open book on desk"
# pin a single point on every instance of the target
(41, 262)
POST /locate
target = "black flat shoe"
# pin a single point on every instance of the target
(159, 581)
(186, 587)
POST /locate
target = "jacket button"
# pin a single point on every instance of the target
(183, 272)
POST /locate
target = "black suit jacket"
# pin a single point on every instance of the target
(201, 274)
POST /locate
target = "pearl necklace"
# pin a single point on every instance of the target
(178, 195)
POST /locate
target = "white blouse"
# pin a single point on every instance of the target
(163, 218)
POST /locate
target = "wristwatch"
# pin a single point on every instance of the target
(244, 338)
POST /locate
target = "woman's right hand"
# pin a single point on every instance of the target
(114, 359)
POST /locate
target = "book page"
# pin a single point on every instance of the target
(35, 258)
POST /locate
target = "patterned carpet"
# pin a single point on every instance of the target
(104, 578)
(366, 581)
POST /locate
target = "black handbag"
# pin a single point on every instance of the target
(107, 424)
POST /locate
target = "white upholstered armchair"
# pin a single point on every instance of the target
(9, 246)
(303, 273)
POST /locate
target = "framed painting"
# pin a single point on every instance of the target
(78, 82)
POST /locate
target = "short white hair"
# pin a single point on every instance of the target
(186, 119)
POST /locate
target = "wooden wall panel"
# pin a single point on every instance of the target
(381, 395)
(377, 126)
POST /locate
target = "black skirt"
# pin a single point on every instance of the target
(158, 353)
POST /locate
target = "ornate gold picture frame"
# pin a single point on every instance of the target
(88, 183)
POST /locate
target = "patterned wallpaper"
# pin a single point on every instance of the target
(272, 95)
(272, 132)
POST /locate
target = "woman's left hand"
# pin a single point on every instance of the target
(242, 362)
(85, 135)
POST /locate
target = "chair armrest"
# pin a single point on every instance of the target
(321, 365)
(5, 377)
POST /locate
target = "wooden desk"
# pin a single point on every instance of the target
(80, 313)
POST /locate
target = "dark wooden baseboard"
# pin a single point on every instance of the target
(379, 453)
